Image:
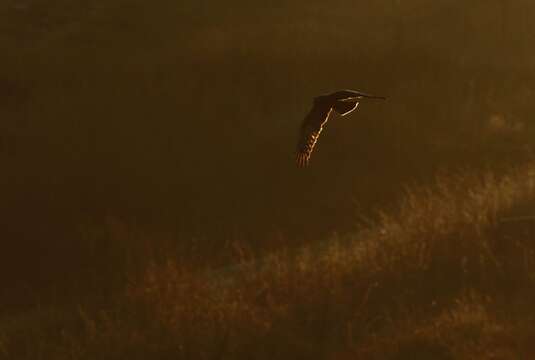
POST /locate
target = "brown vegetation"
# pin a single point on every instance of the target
(446, 276)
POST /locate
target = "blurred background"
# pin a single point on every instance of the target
(130, 127)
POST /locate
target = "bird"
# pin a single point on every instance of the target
(343, 102)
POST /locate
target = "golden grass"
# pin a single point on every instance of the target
(442, 277)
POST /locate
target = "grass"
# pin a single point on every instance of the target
(448, 275)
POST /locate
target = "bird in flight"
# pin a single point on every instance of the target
(343, 102)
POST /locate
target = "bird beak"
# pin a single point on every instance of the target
(375, 97)
(360, 97)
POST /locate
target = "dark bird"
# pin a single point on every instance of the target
(343, 102)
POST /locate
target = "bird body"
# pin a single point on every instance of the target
(342, 102)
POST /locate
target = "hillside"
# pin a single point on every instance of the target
(448, 275)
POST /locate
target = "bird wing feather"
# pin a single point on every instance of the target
(344, 107)
(310, 132)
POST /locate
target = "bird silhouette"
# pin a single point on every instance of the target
(343, 102)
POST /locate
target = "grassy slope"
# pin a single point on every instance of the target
(449, 275)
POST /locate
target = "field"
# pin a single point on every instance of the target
(151, 207)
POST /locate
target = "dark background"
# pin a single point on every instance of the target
(176, 122)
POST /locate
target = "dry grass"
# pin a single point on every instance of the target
(446, 276)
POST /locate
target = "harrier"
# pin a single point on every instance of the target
(343, 102)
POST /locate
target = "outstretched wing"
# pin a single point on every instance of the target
(345, 107)
(310, 132)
